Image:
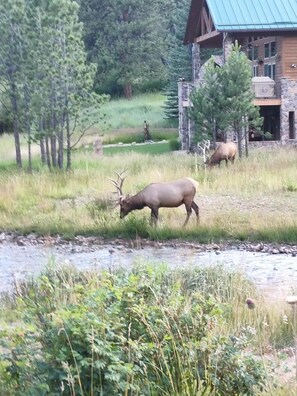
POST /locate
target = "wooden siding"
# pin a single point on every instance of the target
(267, 102)
(289, 57)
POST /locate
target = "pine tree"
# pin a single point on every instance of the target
(179, 61)
(126, 40)
(238, 96)
(208, 112)
(48, 81)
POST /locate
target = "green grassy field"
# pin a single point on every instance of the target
(253, 200)
(155, 148)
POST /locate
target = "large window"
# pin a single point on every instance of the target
(252, 52)
(269, 70)
(270, 49)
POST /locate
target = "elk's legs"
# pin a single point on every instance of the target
(196, 209)
(154, 216)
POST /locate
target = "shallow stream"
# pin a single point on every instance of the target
(276, 274)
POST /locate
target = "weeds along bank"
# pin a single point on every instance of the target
(253, 200)
(150, 331)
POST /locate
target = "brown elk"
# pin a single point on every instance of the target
(159, 195)
(224, 152)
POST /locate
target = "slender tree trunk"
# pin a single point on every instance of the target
(60, 147)
(42, 150)
(128, 91)
(29, 146)
(68, 147)
(246, 137)
(28, 127)
(54, 150)
(214, 132)
(16, 132)
(238, 130)
(42, 141)
(47, 151)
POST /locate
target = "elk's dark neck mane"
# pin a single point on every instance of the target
(137, 201)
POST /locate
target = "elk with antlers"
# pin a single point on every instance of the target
(159, 195)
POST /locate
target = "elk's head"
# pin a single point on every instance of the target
(125, 206)
(121, 200)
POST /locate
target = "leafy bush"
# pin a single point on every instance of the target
(174, 144)
(138, 332)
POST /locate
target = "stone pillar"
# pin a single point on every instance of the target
(196, 61)
(183, 116)
(288, 103)
(227, 45)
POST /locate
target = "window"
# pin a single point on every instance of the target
(269, 70)
(255, 70)
(266, 50)
(270, 49)
(291, 125)
(253, 52)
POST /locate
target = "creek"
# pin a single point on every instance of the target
(276, 274)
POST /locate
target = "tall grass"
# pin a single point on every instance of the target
(122, 113)
(252, 200)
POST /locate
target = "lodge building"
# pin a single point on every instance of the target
(266, 30)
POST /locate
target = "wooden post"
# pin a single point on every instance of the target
(98, 147)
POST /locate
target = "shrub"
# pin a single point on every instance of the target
(174, 144)
(138, 332)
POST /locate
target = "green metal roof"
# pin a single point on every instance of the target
(244, 15)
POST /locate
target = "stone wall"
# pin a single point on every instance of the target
(185, 127)
(196, 61)
(289, 100)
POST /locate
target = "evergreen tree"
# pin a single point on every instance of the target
(125, 38)
(208, 112)
(238, 96)
(43, 66)
(179, 61)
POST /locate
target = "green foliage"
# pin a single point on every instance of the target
(174, 144)
(140, 332)
(208, 111)
(128, 44)
(179, 60)
(123, 114)
(45, 75)
(237, 89)
(224, 100)
(291, 186)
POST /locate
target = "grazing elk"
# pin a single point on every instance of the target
(224, 152)
(159, 195)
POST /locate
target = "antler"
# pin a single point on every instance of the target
(119, 183)
(204, 147)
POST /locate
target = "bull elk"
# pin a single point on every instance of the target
(158, 195)
(224, 152)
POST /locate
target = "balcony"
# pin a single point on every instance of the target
(264, 90)
(263, 87)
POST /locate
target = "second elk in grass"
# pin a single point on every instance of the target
(159, 195)
(224, 152)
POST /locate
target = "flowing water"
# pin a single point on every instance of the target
(276, 274)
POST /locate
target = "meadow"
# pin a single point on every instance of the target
(150, 331)
(254, 200)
